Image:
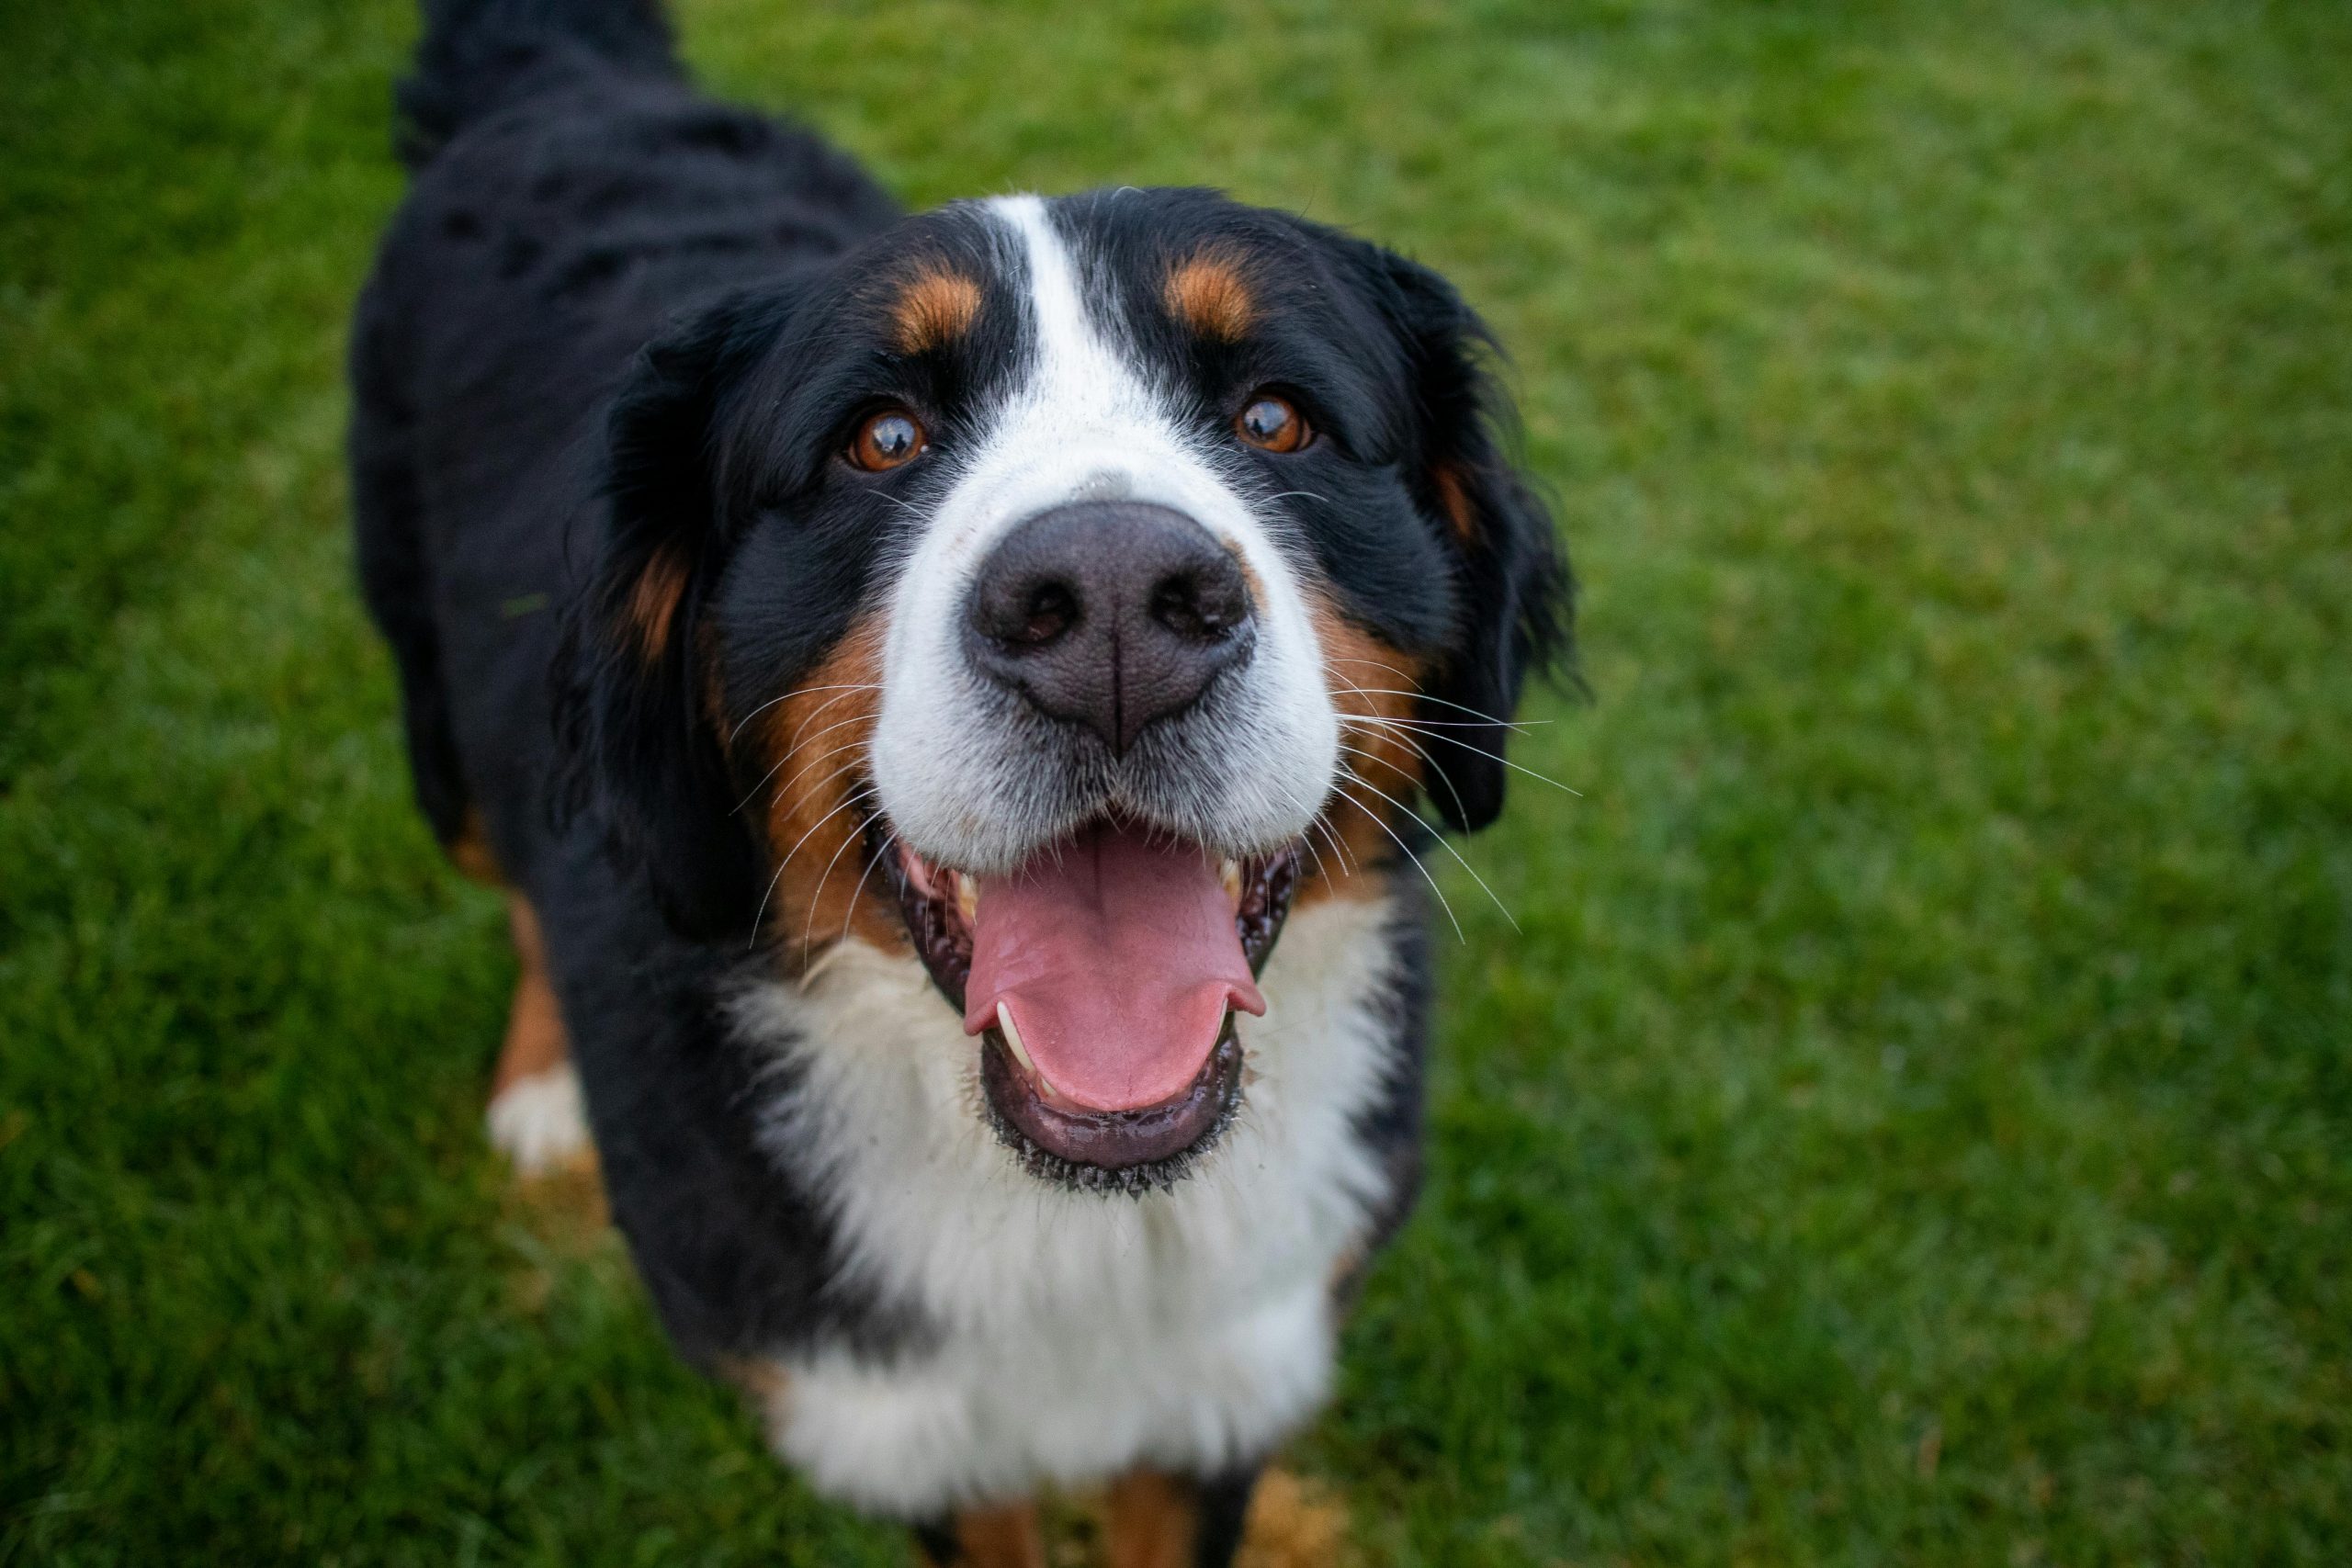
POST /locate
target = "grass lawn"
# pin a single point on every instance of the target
(1912, 1121)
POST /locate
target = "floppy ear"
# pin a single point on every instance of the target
(640, 722)
(1515, 599)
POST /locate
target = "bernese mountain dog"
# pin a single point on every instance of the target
(949, 698)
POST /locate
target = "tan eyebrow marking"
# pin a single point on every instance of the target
(936, 307)
(1209, 294)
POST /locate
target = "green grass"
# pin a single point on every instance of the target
(1913, 1122)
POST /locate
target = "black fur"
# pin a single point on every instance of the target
(615, 328)
(575, 201)
(480, 54)
(1221, 1506)
(1516, 605)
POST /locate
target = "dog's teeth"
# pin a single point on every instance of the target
(967, 896)
(1012, 1037)
(1020, 1053)
(1229, 872)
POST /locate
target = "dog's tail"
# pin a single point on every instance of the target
(479, 56)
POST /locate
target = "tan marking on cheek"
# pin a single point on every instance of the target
(653, 602)
(815, 750)
(1210, 295)
(1374, 684)
(935, 309)
(1454, 494)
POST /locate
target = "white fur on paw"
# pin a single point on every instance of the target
(539, 1123)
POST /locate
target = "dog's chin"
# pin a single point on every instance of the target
(1057, 1136)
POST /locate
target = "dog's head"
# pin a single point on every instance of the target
(1062, 590)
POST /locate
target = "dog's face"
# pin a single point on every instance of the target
(1061, 591)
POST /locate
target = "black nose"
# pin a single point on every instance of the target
(1113, 615)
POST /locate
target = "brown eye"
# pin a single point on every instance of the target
(1271, 423)
(887, 440)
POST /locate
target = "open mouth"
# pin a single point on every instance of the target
(1102, 977)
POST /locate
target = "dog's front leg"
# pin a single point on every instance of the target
(1004, 1536)
(1166, 1522)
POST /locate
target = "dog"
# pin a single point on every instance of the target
(950, 697)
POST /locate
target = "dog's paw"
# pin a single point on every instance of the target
(540, 1123)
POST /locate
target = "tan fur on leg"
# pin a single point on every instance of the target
(1002, 1537)
(534, 1038)
(1153, 1521)
(536, 1116)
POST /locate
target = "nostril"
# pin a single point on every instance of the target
(1051, 611)
(1200, 603)
(1176, 605)
(1018, 613)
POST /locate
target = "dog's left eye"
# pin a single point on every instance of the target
(1273, 424)
(887, 439)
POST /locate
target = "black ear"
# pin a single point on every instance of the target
(1515, 599)
(640, 728)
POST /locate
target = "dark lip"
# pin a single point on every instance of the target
(1131, 1151)
(1112, 1151)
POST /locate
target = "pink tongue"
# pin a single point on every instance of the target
(1116, 957)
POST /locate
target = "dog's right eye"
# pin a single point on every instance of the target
(1273, 423)
(889, 439)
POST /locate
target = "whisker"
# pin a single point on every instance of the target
(859, 891)
(1339, 845)
(1376, 757)
(1397, 670)
(1459, 708)
(1316, 819)
(799, 692)
(817, 895)
(757, 915)
(802, 770)
(1480, 751)
(1443, 844)
(1340, 790)
(801, 738)
(1321, 870)
(1381, 723)
(845, 693)
(1443, 777)
(780, 762)
(1442, 723)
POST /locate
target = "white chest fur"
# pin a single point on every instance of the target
(1081, 1335)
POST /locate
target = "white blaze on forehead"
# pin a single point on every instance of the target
(1079, 374)
(1085, 419)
